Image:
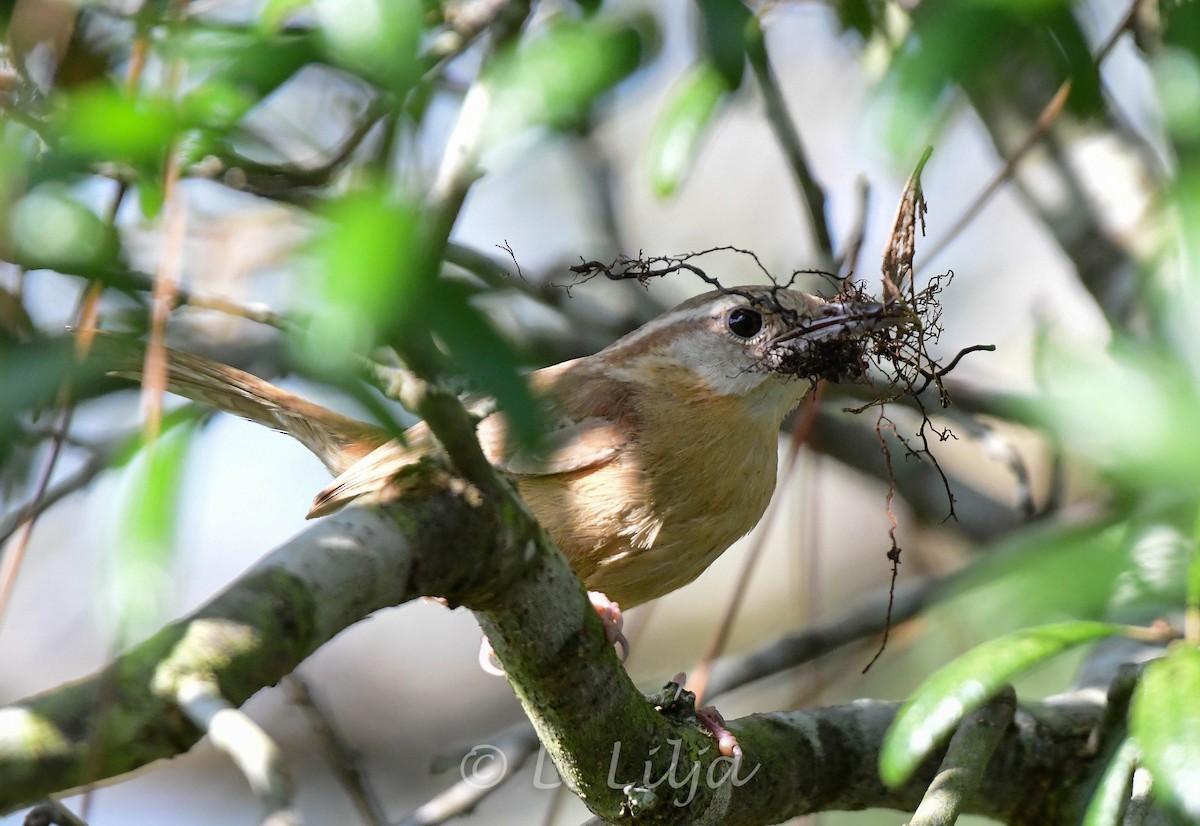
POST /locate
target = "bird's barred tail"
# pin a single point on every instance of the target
(335, 439)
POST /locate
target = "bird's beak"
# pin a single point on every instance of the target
(831, 344)
(848, 319)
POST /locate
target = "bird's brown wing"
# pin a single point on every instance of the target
(580, 436)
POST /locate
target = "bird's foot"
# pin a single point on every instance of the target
(675, 699)
(612, 620)
(712, 720)
(487, 659)
(610, 617)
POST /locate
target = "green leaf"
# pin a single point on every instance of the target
(965, 684)
(32, 373)
(256, 65)
(369, 273)
(1107, 806)
(275, 13)
(724, 35)
(1129, 411)
(101, 121)
(216, 105)
(53, 230)
(147, 536)
(482, 354)
(376, 38)
(980, 46)
(150, 191)
(555, 79)
(1164, 716)
(1019, 583)
(1181, 26)
(859, 15)
(1177, 78)
(682, 125)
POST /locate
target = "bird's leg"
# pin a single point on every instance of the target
(712, 720)
(675, 699)
(610, 617)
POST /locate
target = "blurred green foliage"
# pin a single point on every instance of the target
(1165, 720)
(937, 707)
(139, 581)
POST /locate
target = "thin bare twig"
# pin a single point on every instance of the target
(46, 498)
(52, 813)
(483, 770)
(789, 140)
(341, 757)
(847, 262)
(251, 749)
(1042, 126)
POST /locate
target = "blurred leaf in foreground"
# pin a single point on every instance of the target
(1164, 717)
(554, 79)
(682, 124)
(935, 709)
(140, 577)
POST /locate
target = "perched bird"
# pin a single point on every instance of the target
(661, 449)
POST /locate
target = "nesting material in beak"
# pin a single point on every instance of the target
(833, 344)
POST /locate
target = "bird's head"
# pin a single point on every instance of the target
(764, 343)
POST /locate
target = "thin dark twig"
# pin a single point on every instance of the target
(784, 127)
(935, 375)
(92, 467)
(342, 758)
(847, 263)
(52, 813)
(893, 552)
(1046, 120)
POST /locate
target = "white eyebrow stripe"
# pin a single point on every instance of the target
(663, 321)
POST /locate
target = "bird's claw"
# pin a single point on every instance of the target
(612, 620)
(610, 617)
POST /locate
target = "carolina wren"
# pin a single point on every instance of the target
(661, 449)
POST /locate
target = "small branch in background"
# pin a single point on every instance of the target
(234, 733)
(789, 139)
(154, 372)
(14, 554)
(341, 757)
(483, 770)
(1045, 122)
(966, 759)
(46, 498)
(259, 313)
(1005, 452)
(1116, 706)
(863, 621)
(1139, 800)
(52, 813)
(85, 320)
(847, 262)
(285, 181)
(466, 22)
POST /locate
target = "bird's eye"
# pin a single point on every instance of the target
(744, 322)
